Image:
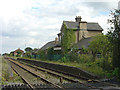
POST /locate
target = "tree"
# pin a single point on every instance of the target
(35, 49)
(5, 54)
(41, 53)
(114, 34)
(100, 44)
(28, 54)
(28, 49)
(11, 53)
(19, 53)
(34, 52)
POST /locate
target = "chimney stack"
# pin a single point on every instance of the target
(78, 18)
(56, 41)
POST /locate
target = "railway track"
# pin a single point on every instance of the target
(36, 65)
(60, 75)
(33, 71)
(70, 77)
(85, 83)
(19, 66)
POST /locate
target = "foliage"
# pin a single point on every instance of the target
(35, 49)
(68, 39)
(19, 53)
(53, 55)
(41, 53)
(11, 53)
(116, 73)
(84, 50)
(28, 54)
(85, 58)
(28, 49)
(74, 57)
(50, 53)
(100, 44)
(64, 59)
(114, 36)
(5, 54)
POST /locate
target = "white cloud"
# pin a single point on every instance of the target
(32, 41)
(35, 22)
(32, 33)
(12, 8)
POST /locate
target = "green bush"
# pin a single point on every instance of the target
(64, 59)
(116, 73)
(73, 57)
(85, 58)
(104, 64)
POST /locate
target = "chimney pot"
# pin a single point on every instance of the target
(78, 18)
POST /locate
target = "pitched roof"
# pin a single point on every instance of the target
(90, 25)
(84, 43)
(93, 26)
(18, 50)
(49, 44)
(71, 24)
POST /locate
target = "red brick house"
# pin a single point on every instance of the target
(18, 52)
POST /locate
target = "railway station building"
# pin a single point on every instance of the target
(83, 30)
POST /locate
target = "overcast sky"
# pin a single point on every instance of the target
(33, 23)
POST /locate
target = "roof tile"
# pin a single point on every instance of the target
(90, 25)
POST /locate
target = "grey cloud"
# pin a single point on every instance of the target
(99, 5)
(13, 32)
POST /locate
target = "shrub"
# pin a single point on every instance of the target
(64, 59)
(73, 57)
(85, 58)
(116, 73)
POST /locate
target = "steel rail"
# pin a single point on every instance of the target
(57, 74)
(31, 86)
(36, 74)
